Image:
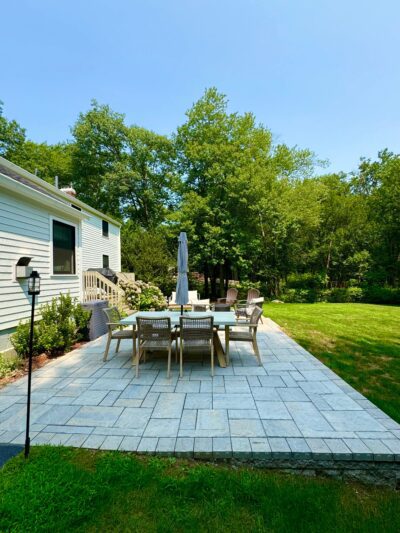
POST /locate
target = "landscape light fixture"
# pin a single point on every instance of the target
(33, 290)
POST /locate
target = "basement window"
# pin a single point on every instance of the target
(106, 261)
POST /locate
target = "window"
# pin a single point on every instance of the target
(63, 248)
(106, 261)
(105, 228)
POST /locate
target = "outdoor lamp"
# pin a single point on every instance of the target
(34, 283)
(33, 290)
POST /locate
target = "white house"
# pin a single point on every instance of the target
(62, 236)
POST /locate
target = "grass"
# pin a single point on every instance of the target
(64, 489)
(360, 342)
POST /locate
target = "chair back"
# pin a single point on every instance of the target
(113, 316)
(196, 329)
(231, 295)
(193, 297)
(251, 294)
(172, 300)
(199, 307)
(255, 316)
(153, 329)
(222, 308)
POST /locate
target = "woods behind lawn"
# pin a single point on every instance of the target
(63, 489)
(360, 342)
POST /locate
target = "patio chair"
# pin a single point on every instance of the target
(221, 307)
(200, 307)
(154, 334)
(231, 297)
(244, 308)
(116, 331)
(196, 334)
(251, 334)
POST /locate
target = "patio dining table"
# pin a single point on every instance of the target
(222, 319)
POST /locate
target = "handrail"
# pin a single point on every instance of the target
(98, 287)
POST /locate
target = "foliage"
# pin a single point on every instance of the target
(360, 342)
(20, 339)
(143, 296)
(382, 295)
(254, 210)
(147, 253)
(8, 365)
(125, 171)
(63, 322)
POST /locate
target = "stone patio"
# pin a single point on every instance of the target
(292, 412)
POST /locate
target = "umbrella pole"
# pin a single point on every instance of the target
(182, 310)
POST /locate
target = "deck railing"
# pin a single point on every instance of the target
(98, 287)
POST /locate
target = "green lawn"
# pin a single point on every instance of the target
(62, 489)
(360, 342)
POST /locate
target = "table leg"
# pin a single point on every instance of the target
(227, 345)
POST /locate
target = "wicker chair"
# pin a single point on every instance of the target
(154, 334)
(196, 334)
(231, 297)
(221, 307)
(200, 307)
(251, 334)
(116, 331)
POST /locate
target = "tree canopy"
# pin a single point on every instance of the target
(253, 209)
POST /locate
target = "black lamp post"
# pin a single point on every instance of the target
(33, 290)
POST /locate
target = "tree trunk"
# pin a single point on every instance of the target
(221, 280)
(206, 285)
(213, 283)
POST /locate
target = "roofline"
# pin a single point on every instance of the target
(55, 191)
(19, 188)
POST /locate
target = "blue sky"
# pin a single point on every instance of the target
(320, 74)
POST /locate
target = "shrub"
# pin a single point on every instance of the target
(143, 296)
(8, 365)
(81, 317)
(63, 322)
(20, 339)
(305, 281)
(376, 294)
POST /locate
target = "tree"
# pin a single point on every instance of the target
(125, 171)
(12, 136)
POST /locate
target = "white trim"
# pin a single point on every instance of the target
(55, 191)
(20, 189)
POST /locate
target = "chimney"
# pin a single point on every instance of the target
(69, 190)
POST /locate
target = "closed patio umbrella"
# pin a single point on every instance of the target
(182, 286)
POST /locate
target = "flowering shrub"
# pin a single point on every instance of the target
(143, 296)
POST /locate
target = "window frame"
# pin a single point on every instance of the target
(76, 235)
(105, 233)
(108, 261)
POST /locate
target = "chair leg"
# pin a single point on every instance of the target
(118, 343)
(169, 362)
(212, 359)
(134, 351)
(257, 351)
(140, 351)
(107, 348)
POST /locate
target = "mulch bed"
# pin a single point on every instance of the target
(37, 362)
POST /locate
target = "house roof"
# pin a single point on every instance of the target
(24, 177)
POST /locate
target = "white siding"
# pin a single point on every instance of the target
(95, 245)
(25, 230)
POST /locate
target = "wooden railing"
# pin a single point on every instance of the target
(98, 287)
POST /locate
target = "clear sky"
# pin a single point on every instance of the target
(321, 74)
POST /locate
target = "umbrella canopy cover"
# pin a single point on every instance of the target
(182, 286)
